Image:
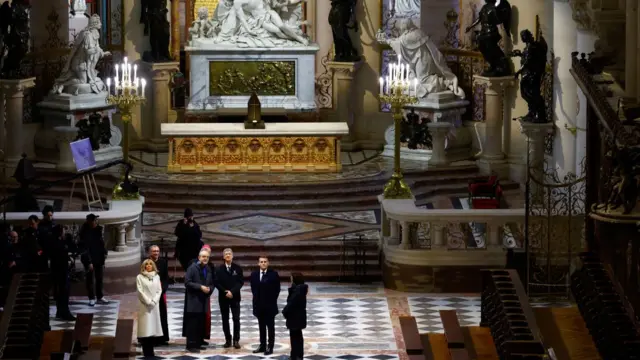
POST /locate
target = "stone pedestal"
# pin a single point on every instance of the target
(160, 104)
(65, 135)
(491, 159)
(61, 113)
(439, 132)
(13, 94)
(534, 158)
(343, 75)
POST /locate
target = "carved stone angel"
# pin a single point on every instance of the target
(201, 27)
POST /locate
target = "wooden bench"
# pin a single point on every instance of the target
(122, 341)
(82, 330)
(56, 342)
(566, 333)
(411, 335)
(481, 343)
(104, 344)
(435, 347)
(452, 330)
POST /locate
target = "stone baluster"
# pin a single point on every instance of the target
(439, 132)
(121, 238)
(438, 235)
(131, 234)
(406, 241)
(395, 238)
(493, 235)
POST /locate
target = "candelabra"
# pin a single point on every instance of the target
(396, 91)
(128, 92)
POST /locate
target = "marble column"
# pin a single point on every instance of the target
(343, 75)
(160, 103)
(631, 49)
(13, 91)
(491, 158)
(586, 41)
(439, 132)
(535, 134)
(565, 89)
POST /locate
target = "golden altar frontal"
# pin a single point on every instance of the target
(229, 147)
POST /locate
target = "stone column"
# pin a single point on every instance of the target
(2, 122)
(439, 132)
(343, 75)
(631, 49)
(121, 238)
(65, 135)
(535, 134)
(565, 89)
(160, 103)
(586, 41)
(131, 234)
(491, 158)
(13, 91)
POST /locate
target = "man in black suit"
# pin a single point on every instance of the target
(163, 272)
(94, 256)
(265, 287)
(199, 286)
(229, 281)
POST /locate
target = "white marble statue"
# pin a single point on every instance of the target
(79, 75)
(202, 26)
(255, 23)
(406, 8)
(425, 61)
(79, 7)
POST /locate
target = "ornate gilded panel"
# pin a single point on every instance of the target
(245, 77)
(209, 4)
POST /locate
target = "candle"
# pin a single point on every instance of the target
(135, 71)
(109, 85)
(116, 78)
(143, 82)
(129, 74)
(415, 87)
(381, 85)
(407, 68)
(399, 58)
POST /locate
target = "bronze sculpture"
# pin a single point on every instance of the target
(157, 27)
(14, 22)
(534, 63)
(342, 18)
(492, 15)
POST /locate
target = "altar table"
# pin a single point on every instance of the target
(229, 147)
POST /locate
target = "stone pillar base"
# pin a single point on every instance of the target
(13, 92)
(159, 95)
(439, 132)
(499, 168)
(494, 90)
(534, 161)
(342, 97)
(64, 136)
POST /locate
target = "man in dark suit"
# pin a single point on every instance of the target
(163, 272)
(94, 256)
(265, 287)
(199, 287)
(189, 240)
(229, 281)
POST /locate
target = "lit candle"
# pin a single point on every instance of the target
(381, 85)
(407, 68)
(109, 85)
(135, 71)
(143, 82)
(399, 58)
(116, 78)
(129, 79)
(415, 87)
(135, 84)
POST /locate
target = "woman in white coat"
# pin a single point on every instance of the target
(149, 292)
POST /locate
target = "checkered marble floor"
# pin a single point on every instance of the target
(105, 317)
(426, 311)
(274, 357)
(345, 318)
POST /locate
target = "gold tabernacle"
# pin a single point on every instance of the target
(265, 154)
(233, 78)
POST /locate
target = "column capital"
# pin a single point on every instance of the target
(494, 84)
(533, 130)
(440, 127)
(345, 70)
(161, 71)
(16, 87)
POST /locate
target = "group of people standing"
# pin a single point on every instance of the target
(202, 278)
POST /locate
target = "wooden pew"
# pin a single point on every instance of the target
(435, 347)
(122, 341)
(411, 335)
(452, 330)
(82, 330)
(104, 344)
(59, 341)
(565, 332)
(480, 342)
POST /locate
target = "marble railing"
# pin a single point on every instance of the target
(122, 223)
(408, 231)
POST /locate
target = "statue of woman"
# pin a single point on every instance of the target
(79, 75)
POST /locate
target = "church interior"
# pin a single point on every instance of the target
(457, 182)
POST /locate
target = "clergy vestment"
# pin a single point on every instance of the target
(195, 303)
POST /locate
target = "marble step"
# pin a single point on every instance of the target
(310, 275)
(302, 266)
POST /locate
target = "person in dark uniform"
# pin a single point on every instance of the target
(295, 312)
(56, 250)
(163, 272)
(229, 281)
(189, 240)
(94, 255)
(32, 254)
(199, 285)
(265, 287)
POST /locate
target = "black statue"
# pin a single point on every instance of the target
(157, 27)
(489, 37)
(414, 132)
(14, 26)
(623, 182)
(534, 63)
(342, 18)
(96, 128)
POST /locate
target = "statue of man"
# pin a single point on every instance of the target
(157, 27)
(534, 63)
(342, 18)
(492, 14)
(79, 75)
(425, 61)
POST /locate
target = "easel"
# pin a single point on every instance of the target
(91, 191)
